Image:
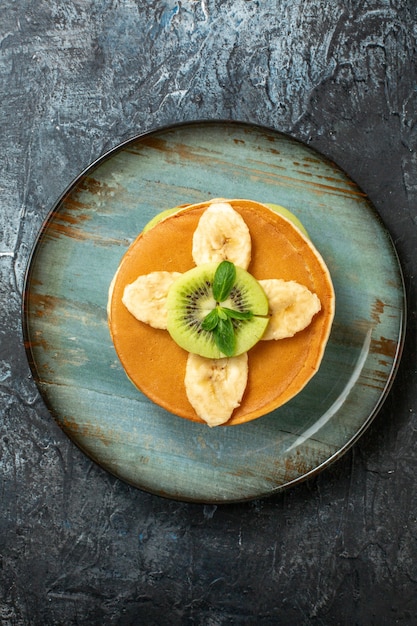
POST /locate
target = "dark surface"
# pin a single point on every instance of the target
(77, 546)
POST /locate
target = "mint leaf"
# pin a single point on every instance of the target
(224, 279)
(237, 315)
(224, 337)
(221, 313)
(219, 320)
(210, 321)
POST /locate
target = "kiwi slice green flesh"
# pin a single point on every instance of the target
(289, 216)
(190, 300)
(159, 217)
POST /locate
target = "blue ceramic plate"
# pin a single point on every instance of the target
(73, 359)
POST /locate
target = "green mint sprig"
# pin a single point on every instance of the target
(219, 320)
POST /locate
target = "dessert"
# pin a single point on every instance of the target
(220, 311)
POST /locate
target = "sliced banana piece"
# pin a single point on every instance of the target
(145, 298)
(222, 235)
(292, 307)
(215, 386)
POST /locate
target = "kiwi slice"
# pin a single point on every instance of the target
(191, 305)
(290, 216)
(159, 217)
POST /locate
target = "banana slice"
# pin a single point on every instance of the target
(215, 386)
(145, 298)
(222, 235)
(292, 307)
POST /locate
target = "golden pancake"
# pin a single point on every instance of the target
(278, 369)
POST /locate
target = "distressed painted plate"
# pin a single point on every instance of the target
(73, 359)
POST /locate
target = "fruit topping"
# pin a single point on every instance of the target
(146, 297)
(222, 235)
(216, 310)
(215, 387)
(291, 306)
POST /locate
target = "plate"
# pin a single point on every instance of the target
(74, 362)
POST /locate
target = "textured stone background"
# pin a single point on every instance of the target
(76, 545)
